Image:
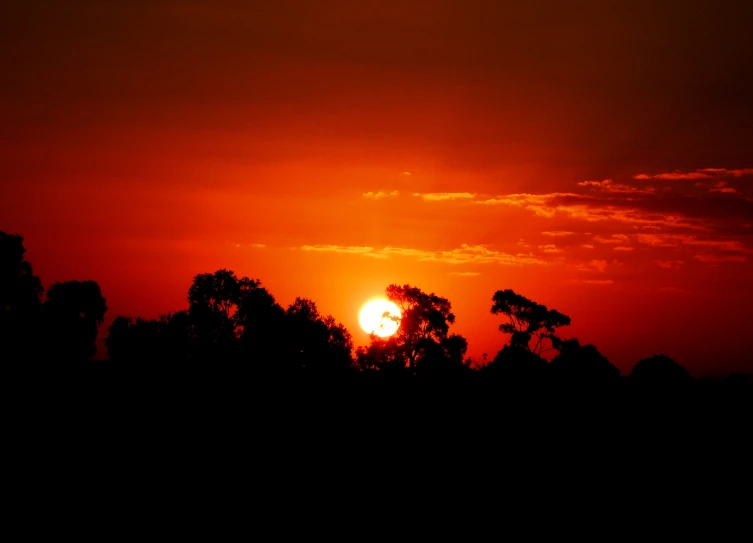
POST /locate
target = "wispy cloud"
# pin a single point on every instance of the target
(594, 265)
(443, 196)
(346, 249)
(669, 264)
(597, 281)
(557, 233)
(717, 259)
(550, 248)
(704, 173)
(623, 248)
(465, 254)
(587, 246)
(465, 274)
(616, 238)
(381, 194)
(610, 186)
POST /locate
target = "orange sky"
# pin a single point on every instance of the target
(594, 157)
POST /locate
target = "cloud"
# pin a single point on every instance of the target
(623, 248)
(669, 264)
(656, 240)
(443, 196)
(465, 274)
(407, 174)
(587, 246)
(465, 254)
(597, 281)
(610, 186)
(252, 245)
(558, 233)
(740, 172)
(722, 187)
(550, 248)
(716, 259)
(380, 194)
(616, 238)
(347, 249)
(594, 265)
(704, 173)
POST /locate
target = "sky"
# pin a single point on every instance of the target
(594, 156)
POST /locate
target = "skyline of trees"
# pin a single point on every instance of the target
(233, 319)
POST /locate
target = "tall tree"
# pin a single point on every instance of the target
(73, 312)
(531, 325)
(20, 292)
(214, 300)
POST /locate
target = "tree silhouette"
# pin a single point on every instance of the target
(214, 300)
(20, 292)
(517, 363)
(382, 354)
(528, 321)
(659, 371)
(583, 364)
(140, 341)
(421, 341)
(315, 343)
(72, 312)
(260, 324)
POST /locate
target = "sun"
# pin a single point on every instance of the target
(381, 317)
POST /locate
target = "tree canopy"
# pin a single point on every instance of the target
(531, 325)
(422, 341)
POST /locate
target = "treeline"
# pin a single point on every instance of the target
(235, 322)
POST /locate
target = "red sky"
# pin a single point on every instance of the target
(596, 157)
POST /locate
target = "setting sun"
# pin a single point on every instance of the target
(381, 317)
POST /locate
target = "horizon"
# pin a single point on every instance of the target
(595, 159)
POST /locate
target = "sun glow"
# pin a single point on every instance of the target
(381, 317)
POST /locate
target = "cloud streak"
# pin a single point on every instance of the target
(465, 254)
(445, 196)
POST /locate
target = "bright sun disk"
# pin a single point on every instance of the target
(381, 317)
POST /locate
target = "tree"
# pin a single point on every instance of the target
(422, 341)
(214, 300)
(72, 314)
(528, 321)
(139, 341)
(20, 292)
(315, 343)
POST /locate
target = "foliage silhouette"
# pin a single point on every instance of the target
(583, 364)
(422, 342)
(659, 371)
(20, 292)
(516, 362)
(315, 343)
(213, 301)
(140, 341)
(72, 313)
(528, 321)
